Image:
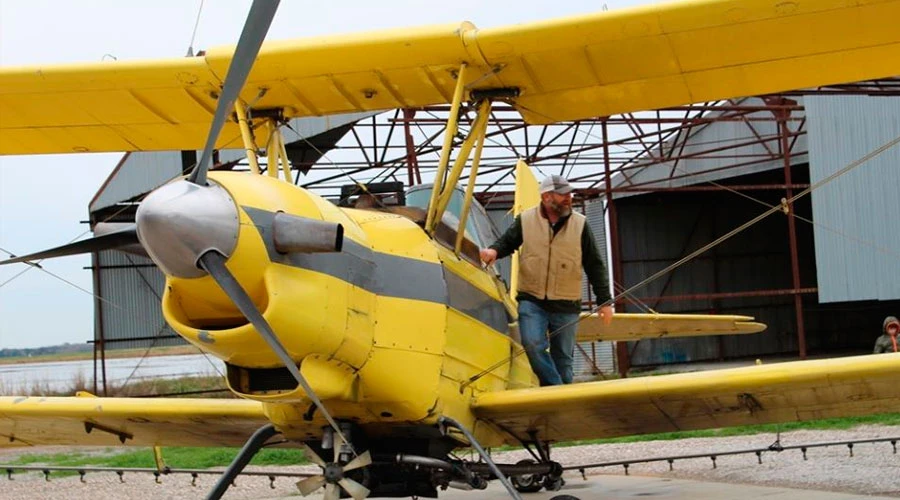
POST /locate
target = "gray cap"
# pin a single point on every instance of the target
(557, 184)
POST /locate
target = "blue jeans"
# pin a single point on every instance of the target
(553, 367)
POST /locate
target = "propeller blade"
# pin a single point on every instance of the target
(109, 241)
(214, 263)
(258, 21)
(312, 456)
(356, 490)
(102, 228)
(310, 484)
(336, 447)
(331, 492)
(360, 461)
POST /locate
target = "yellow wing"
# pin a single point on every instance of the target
(629, 326)
(33, 421)
(783, 392)
(577, 67)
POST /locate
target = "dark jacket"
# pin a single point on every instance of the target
(590, 260)
(884, 343)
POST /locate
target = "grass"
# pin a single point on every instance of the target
(176, 458)
(110, 354)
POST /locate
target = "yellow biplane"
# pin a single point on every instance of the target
(376, 335)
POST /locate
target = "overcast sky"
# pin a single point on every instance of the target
(43, 199)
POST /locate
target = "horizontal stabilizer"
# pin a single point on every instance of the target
(629, 326)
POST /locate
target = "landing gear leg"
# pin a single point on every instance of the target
(530, 483)
(253, 445)
(449, 422)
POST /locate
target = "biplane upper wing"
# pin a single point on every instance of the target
(781, 392)
(634, 326)
(33, 421)
(577, 67)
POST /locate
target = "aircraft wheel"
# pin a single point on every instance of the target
(527, 483)
(564, 497)
(554, 484)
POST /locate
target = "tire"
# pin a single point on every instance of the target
(564, 497)
(552, 484)
(527, 483)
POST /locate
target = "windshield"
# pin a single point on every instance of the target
(479, 228)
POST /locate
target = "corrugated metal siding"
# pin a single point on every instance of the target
(658, 229)
(857, 259)
(718, 134)
(131, 307)
(594, 356)
(139, 173)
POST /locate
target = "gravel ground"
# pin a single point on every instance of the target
(874, 469)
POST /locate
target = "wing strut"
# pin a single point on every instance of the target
(445, 181)
(449, 134)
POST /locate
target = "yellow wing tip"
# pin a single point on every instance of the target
(748, 326)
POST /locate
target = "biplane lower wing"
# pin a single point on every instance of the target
(629, 326)
(781, 392)
(92, 421)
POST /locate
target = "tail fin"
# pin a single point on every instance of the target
(527, 196)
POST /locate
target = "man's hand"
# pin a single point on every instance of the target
(606, 314)
(488, 255)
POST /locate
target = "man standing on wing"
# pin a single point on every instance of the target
(557, 248)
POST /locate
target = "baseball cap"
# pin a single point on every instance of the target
(557, 184)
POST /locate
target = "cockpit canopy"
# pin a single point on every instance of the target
(479, 228)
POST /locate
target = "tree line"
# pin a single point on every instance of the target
(25, 352)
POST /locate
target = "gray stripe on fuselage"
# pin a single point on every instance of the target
(388, 275)
(475, 303)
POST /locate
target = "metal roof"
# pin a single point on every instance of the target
(739, 141)
(306, 139)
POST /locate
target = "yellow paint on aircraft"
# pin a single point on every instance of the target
(626, 60)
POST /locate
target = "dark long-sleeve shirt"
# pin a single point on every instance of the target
(590, 261)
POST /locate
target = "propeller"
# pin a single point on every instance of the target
(191, 226)
(117, 239)
(258, 21)
(205, 205)
(333, 475)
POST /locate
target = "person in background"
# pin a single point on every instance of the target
(366, 200)
(887, 342)
(557, 248)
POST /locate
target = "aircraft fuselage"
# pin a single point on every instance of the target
(386, 331)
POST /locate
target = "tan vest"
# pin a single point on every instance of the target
(550, 266)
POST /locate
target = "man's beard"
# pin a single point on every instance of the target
(560, 210)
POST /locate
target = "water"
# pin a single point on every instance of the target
(61, 375)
